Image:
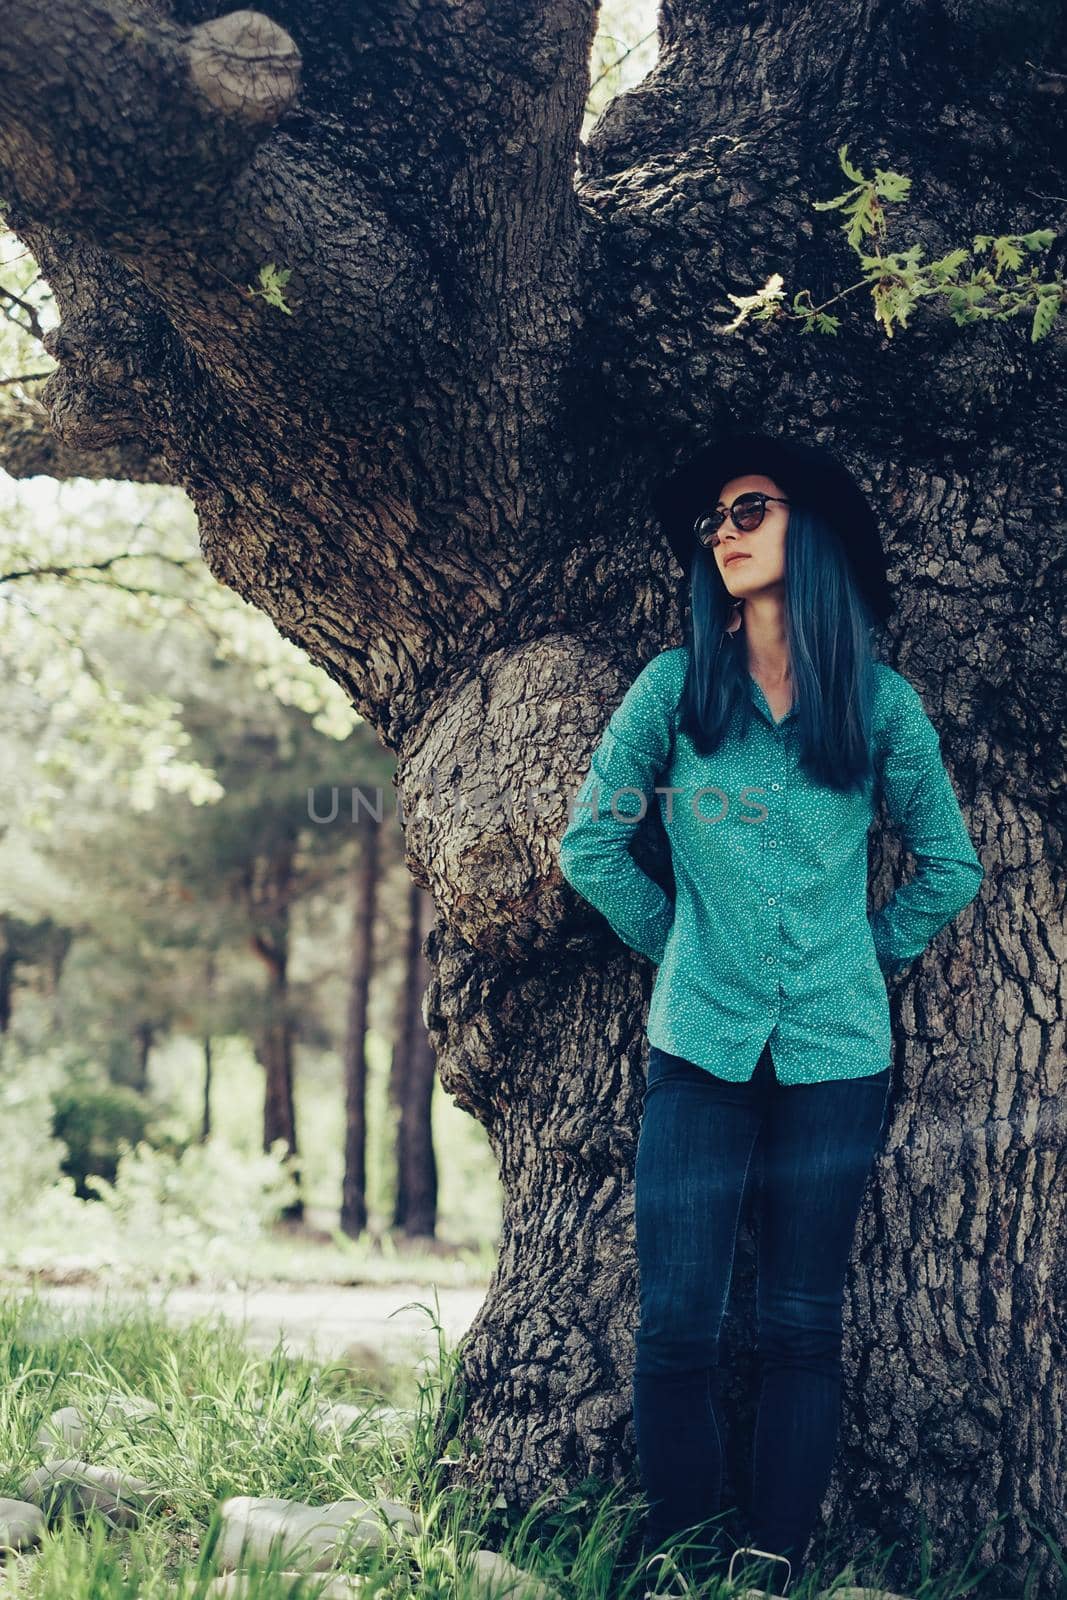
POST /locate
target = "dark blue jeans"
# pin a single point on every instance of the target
(698, 1135)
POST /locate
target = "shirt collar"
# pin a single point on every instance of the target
(760, 702)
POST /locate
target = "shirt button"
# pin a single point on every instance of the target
(772, 842)
(769, 960)
(771, 901)
(776, 786)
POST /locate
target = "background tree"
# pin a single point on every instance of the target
(364, 902)
(412, 1079)
(336, 273)
(166, 899)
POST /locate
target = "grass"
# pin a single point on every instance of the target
(210, 1392)
(234, 1423)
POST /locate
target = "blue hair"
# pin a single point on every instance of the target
(828, 627)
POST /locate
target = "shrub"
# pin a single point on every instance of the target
(94, 1121)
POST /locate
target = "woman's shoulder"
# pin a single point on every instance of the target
(663, 675)
(899, 715)
(653, 695)
(886, 681)
(893, 692)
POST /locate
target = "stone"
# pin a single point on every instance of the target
(21, 1524)
(861, 1592)
(81, 1487)
(255, 1528)
(497, 1578)
(341, 1415)
(238, 1586)
(67, 1428)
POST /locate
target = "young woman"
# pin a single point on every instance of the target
(767, 739)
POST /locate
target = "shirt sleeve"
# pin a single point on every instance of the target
(618, 788)
(924, 809)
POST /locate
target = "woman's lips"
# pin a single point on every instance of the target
(738, 556)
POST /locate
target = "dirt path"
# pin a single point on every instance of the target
(324, 1320)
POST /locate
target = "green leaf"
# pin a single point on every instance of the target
(864, 220)
(1006, 252)
(948, 265)
(891, 185)
(831, 205)
(1044, 316)
(899, 279)
(847, 168)
(772, 291)
(272, 280)
(882, 309)
(1039, 239)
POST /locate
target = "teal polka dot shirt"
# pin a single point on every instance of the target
(769, 936)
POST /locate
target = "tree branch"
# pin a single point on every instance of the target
(29, 449)
(112, 115)
(122, 377)
(701, 182)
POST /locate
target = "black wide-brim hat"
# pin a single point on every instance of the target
(807, 474)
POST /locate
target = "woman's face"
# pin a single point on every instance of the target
(763, 548)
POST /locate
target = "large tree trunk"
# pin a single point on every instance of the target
(434, 476)
(411, 1082)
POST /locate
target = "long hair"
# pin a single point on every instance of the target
(828, 627)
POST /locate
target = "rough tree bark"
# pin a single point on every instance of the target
(434, 476)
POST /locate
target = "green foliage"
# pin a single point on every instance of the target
(95, 1121)
(199, 1207)
(172, 1213)
(973, 291)
(33, 1155)
(272, 281)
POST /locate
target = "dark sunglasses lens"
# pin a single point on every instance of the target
(748, 512)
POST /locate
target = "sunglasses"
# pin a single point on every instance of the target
(746, 513)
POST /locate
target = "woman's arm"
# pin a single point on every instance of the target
(923, 806)
(594, 854)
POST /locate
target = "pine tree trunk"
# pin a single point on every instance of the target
(210, 979)
(268, 902)
(365, 901)
(7, 975)
(205, 1115)
(412, 1083)
(434, 475)
(143, 1039)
